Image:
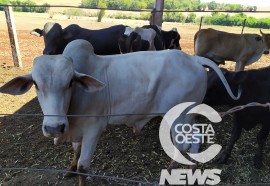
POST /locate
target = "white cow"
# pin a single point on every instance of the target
(146, 34)
(134, 83)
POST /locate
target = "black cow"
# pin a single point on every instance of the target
(170, 39)
(132, 43)
(255, 88)
(148, 37)
(104, 41)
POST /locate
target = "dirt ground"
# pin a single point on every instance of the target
(119, 152)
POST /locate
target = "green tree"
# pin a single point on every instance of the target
(27, 8)
(174, 17)
(251, 8)
(138, 5)
(101, 4)
(169, 4)
(3, 2)
(17, 2)
(212, 5)
(191, 18)
(90, 3)
(202, 6)
(44, 9)
(180, 17)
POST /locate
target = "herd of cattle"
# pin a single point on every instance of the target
(124, 70)
(113, 40)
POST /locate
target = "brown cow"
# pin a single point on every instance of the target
(220, 46)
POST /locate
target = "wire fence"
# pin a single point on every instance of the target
(137, 10)
(100, 176)
(106, 177)
(222, 114)
(117, 178)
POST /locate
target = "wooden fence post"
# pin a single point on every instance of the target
(157, 13)
(201, 23)
(13, 37)
(152, 17)
(244, 24)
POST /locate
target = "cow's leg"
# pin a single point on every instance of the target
(239, 66)
(183, 147)
(261, 139)
(236, 132)
(76, 155)
(191, 147)
(90, 139)
(137, 127)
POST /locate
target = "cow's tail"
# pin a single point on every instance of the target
(207, 62)
(194, 40)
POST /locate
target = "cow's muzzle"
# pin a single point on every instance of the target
(60, 129)
(266, 52)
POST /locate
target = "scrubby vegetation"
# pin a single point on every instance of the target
(168, 4)
(236, 20)
(25, 6)
(184, 5)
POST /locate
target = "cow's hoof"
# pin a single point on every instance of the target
(70, 174)
(173, 165)
(136, 130)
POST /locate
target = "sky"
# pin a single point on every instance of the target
(258, 3)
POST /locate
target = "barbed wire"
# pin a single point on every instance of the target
(117, 178)
(104, 176)
(222, 114)
(84, 115)
(241, 107)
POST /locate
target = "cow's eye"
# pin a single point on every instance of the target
(70, 84)
(35, 85)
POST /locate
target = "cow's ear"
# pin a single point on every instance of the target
(175, 35)
(259, 38)
(174, 29)
(88, 83)
(67, 35)
(18, 85)
(37, 32)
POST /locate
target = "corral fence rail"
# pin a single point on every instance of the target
(136, 10)
(153, 19)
